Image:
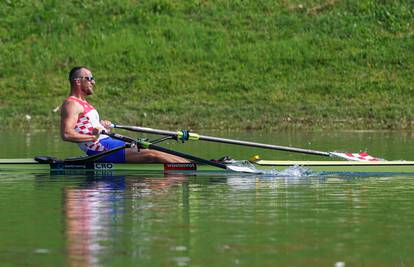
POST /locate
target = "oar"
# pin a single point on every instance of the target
(149, 145)
(186, 135)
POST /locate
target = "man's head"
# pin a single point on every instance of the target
(81, 78)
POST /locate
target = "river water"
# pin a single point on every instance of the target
(205, 220)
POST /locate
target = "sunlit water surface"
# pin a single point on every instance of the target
(209, 220)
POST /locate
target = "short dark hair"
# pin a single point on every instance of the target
(75, 72)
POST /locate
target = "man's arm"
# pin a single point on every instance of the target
(68, 118)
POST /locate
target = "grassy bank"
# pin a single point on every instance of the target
(213, 64)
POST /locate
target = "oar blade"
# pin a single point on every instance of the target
(362, 156)
(244, 169)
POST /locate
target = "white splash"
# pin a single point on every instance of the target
(294, 171)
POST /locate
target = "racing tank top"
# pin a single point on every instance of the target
(87, 120)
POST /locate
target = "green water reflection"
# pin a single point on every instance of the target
(178, 220)
(206, 221)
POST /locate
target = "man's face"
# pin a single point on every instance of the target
(87, 83)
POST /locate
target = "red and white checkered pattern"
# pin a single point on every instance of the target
(362, 156)
(84, 125)
(94, 146)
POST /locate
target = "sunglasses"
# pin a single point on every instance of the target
(88, 78)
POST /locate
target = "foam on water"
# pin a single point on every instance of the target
(297, 171)
(294, 171)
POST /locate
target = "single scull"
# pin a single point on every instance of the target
(51, 164)
(351, 162)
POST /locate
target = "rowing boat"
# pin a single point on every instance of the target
(351, 162)
(262, 166)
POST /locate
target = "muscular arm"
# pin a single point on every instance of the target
(69, 117)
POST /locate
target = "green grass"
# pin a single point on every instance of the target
(213, 64)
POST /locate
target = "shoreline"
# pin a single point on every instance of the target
(39, 123)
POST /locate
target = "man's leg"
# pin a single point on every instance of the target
(151, 156)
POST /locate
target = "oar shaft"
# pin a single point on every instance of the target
(145, 130)
(260, 145)
(224, 140)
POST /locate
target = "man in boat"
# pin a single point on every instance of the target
(80, 124)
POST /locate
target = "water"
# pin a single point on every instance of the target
(182, 220)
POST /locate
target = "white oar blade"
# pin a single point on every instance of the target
(362, 156)
(244, 169)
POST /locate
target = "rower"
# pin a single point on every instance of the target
(80, 124)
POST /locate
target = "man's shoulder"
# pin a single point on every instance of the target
(71, 104)
(69, 101)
